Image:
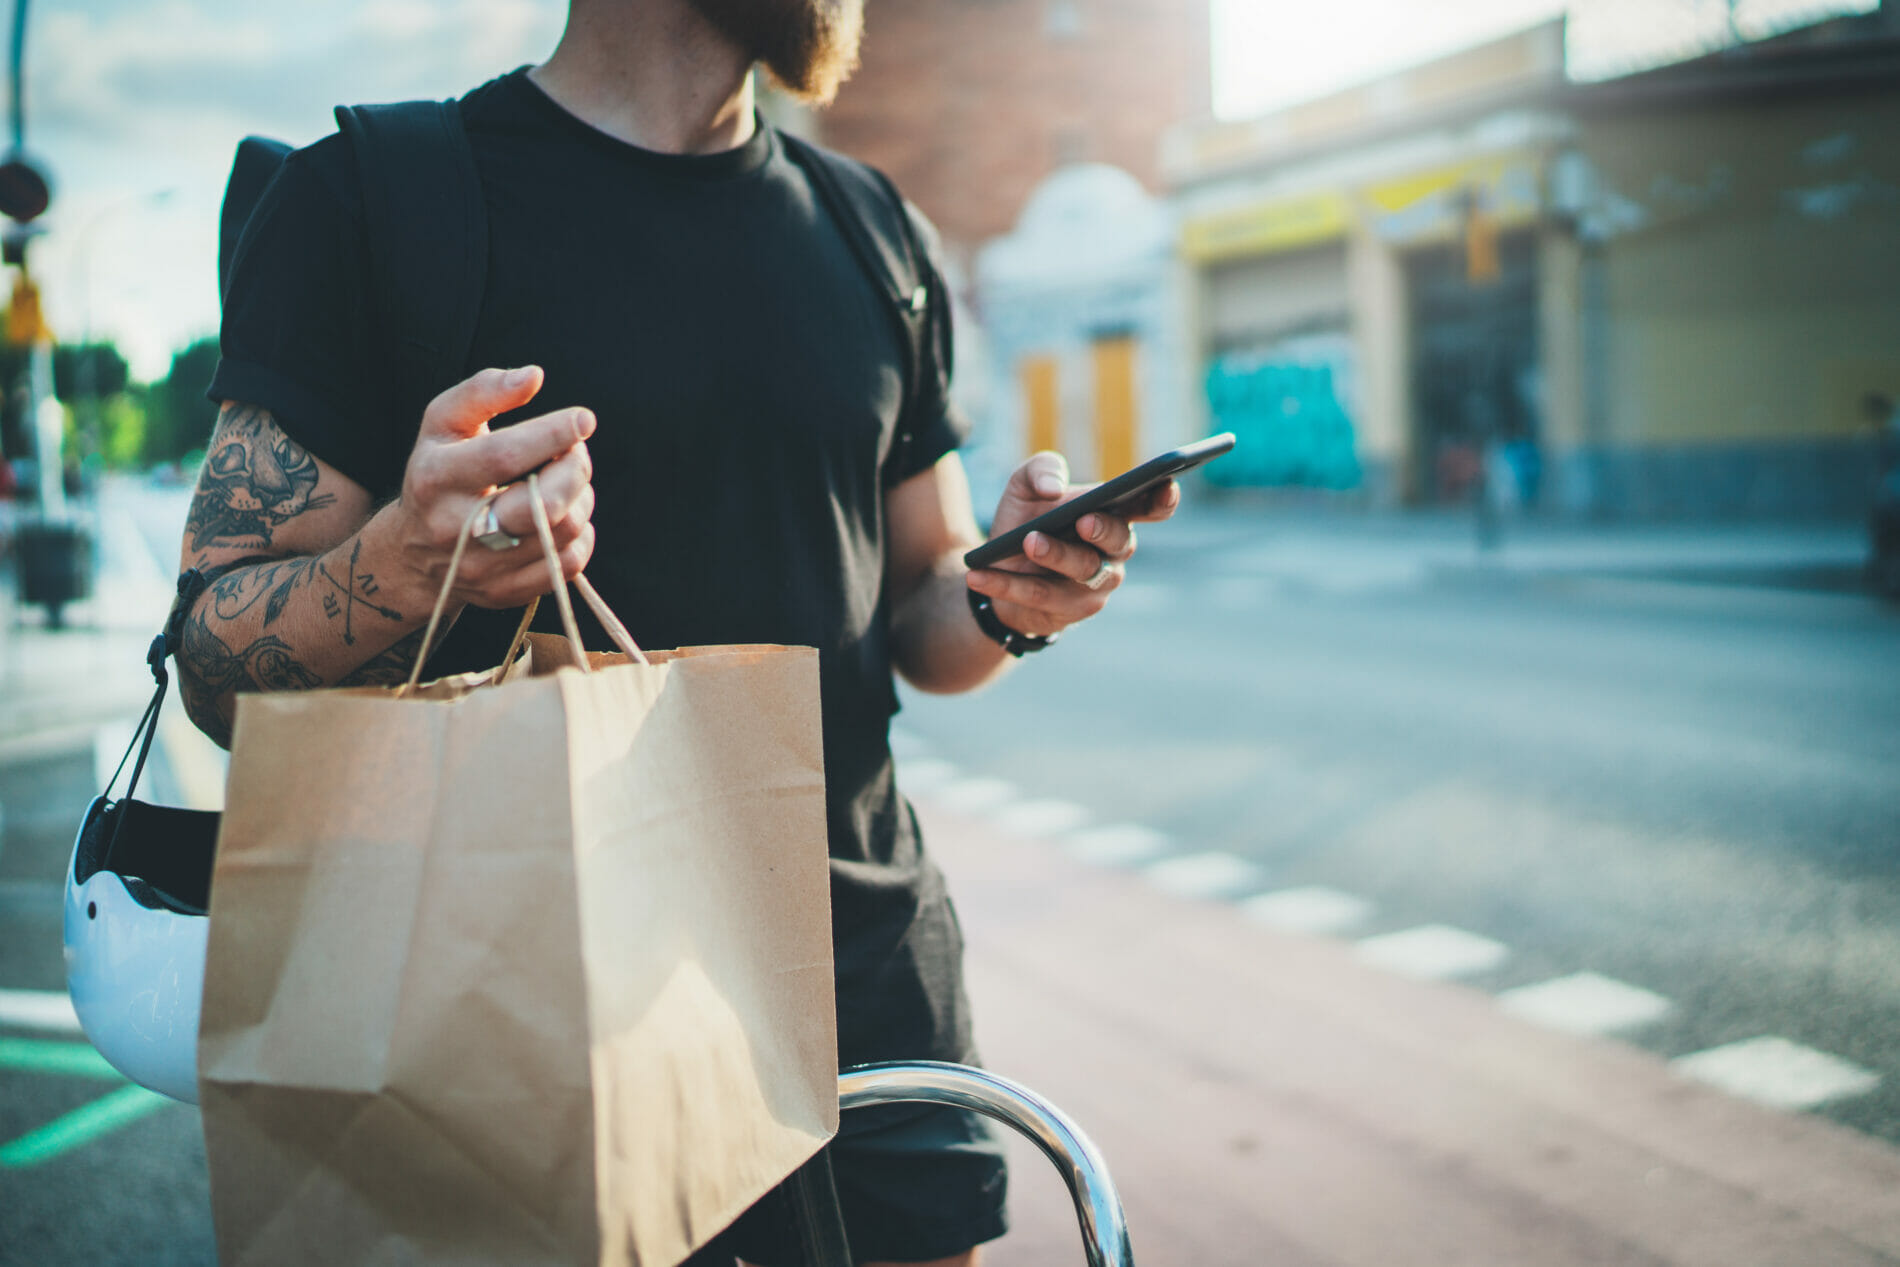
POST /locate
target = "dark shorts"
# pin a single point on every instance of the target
(914, 1184)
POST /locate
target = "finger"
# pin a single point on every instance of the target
(562, 483)
(504, 456)
(530, 579)
(1050, 602)
(485, 567)
(1162, 503)
(464, 409)
(1072, 559)
(1044, 477)
(1111, 535)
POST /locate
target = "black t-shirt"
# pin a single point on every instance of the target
(747, 378)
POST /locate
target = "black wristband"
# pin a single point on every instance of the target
(1017, 644)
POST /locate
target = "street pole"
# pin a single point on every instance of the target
(48, 431)
(18, 93)
(54, 551)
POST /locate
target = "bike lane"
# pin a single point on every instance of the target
(1266, 1097)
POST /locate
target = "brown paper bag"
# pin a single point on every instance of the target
(532, 967)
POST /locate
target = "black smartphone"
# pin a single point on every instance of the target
(1121, 494)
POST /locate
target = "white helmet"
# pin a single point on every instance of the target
(136, 898)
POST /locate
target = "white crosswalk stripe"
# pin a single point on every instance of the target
(1585, 1003)
(1206, 875)
(1433, 951)
(1777, 1072)
(1312, 909)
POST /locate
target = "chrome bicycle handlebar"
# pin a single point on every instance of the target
(1097, 1206)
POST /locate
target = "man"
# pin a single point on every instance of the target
(716, 391)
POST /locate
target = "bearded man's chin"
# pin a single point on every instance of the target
(816, 50)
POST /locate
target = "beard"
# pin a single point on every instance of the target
(809, 46)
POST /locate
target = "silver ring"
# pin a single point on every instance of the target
(491, 534)
(1099, 577)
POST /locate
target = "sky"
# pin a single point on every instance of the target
(135, 106)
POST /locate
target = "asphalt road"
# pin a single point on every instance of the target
(1692, 789)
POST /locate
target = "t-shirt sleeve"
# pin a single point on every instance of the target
(299, 331)
(932, 424)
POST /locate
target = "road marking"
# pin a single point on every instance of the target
(1777, 1072)
(36, 1055)
(1116, 845)
(81, 1126)
(47, 1010)
(1041, 818)
(1210, 875)
(1433, 952)
(1584, 1003)
(1313, 909)
(974, 796)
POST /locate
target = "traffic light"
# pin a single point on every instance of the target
(24, 193)
(24, 197)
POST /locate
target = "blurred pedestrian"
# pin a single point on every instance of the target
(716, 421)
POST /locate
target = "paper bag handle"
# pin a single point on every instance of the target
(603, 613)
(545, 532)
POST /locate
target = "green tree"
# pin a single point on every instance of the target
(85, 377)
(178, 417)
(122, 430)
(89, 371)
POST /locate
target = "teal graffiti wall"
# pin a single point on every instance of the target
(1290, 424)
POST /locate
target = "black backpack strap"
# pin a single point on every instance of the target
(427, 228)
(191, 587)
(889, 243)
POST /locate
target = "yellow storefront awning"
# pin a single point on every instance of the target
(1260, 229)
(1418, 206)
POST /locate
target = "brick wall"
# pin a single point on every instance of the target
(968, 104)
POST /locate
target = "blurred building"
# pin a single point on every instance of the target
(1084, 329)
(1737, 221)
(1364, 274)
(1034, 127)
(1662, 294)
(970, 104)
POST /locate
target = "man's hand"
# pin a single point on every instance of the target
(458, 461)
(1059, 582)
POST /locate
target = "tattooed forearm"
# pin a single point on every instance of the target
(255, 479)
(257, 628)
(211, 670)
(207, 672)
(342, 591)
(391, 668)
